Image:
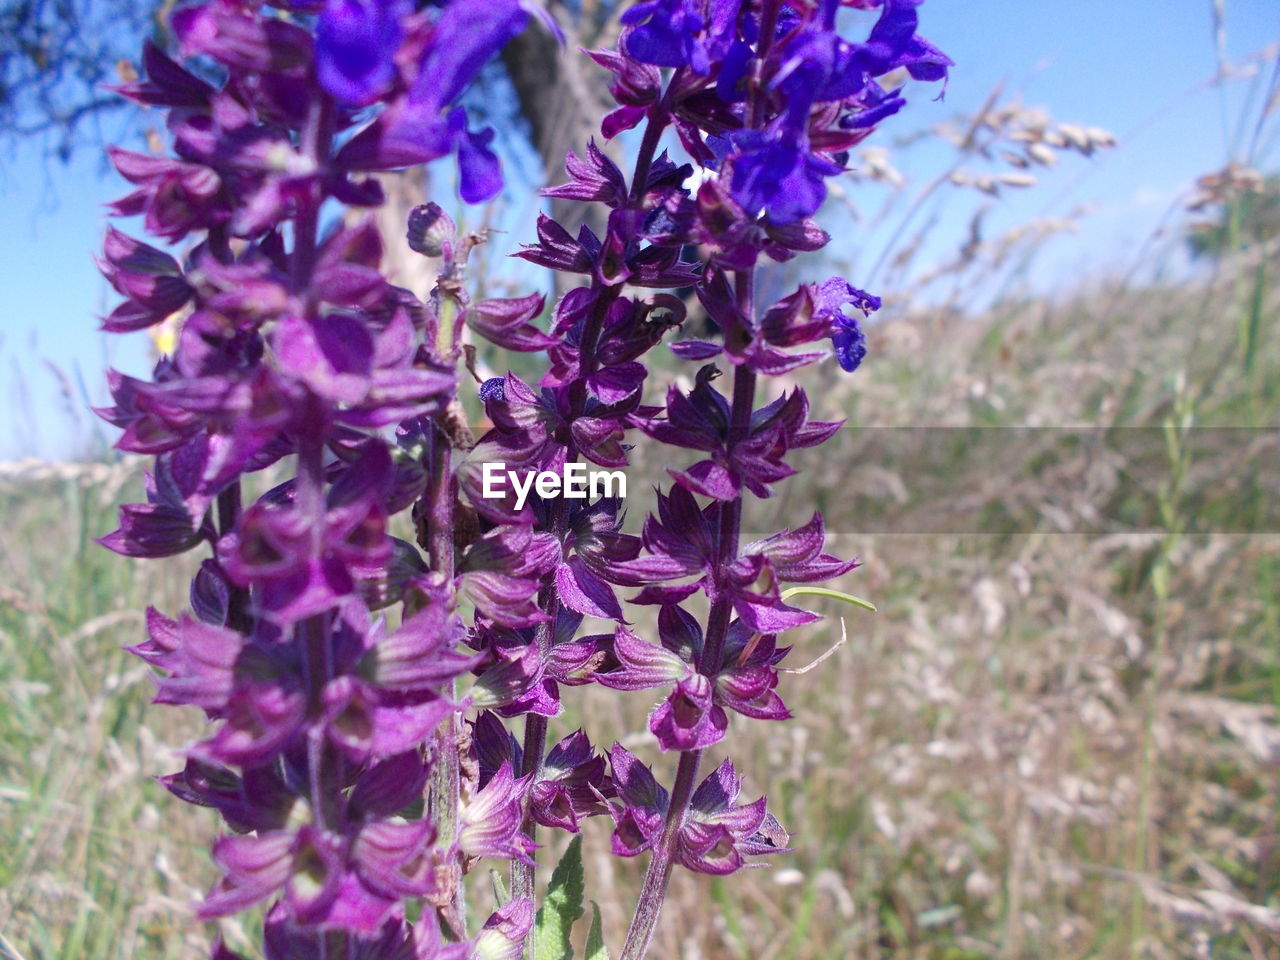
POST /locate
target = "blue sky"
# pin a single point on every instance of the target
(1135, 67)
(1138, 68)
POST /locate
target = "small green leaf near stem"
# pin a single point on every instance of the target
(561, 906)
(830, 595)
(595, 948)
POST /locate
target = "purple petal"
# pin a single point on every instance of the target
(688, 719)
(696, 349)
(708, 478)
(356, 42)
(643, 665)
(584, 592)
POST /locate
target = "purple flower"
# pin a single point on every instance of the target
(666, 34)
(162, 527)
(499, 573)
(689, 719)
(466, 36)
(828, 302)
(700, 420)
(258, 800)
(364, 722)
(356, 41)
(642, 804)
(242, 39)
(719, 832)
(778, 176)
(325, 883)
(167, 84)
(693, 714)
(152, 281)
(501, 937)
(418, 657)
(572, 784)
(173, 197)
(489, 822)
(593, 178)
(615, 260)
(635, 86)
(850, 343)
(894, 43)
(396, 940)
(327, 727)
(431, 231)
(421, 124)
(506, 323)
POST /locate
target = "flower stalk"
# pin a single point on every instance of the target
(603, 298)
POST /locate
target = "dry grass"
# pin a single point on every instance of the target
(975, 774)
(1045, 744)
(96, 861)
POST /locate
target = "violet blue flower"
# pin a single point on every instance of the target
(336, 751)
(356, 42)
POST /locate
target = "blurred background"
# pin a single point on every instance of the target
(1056, 738)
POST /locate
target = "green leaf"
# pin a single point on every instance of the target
(830, 595)
(1254, 325)
(500, 894)
(596, 950)
(939, 916)
(561, 906)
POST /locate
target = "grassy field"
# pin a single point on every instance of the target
(1045, 744)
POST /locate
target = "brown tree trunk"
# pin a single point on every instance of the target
(562, 93)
